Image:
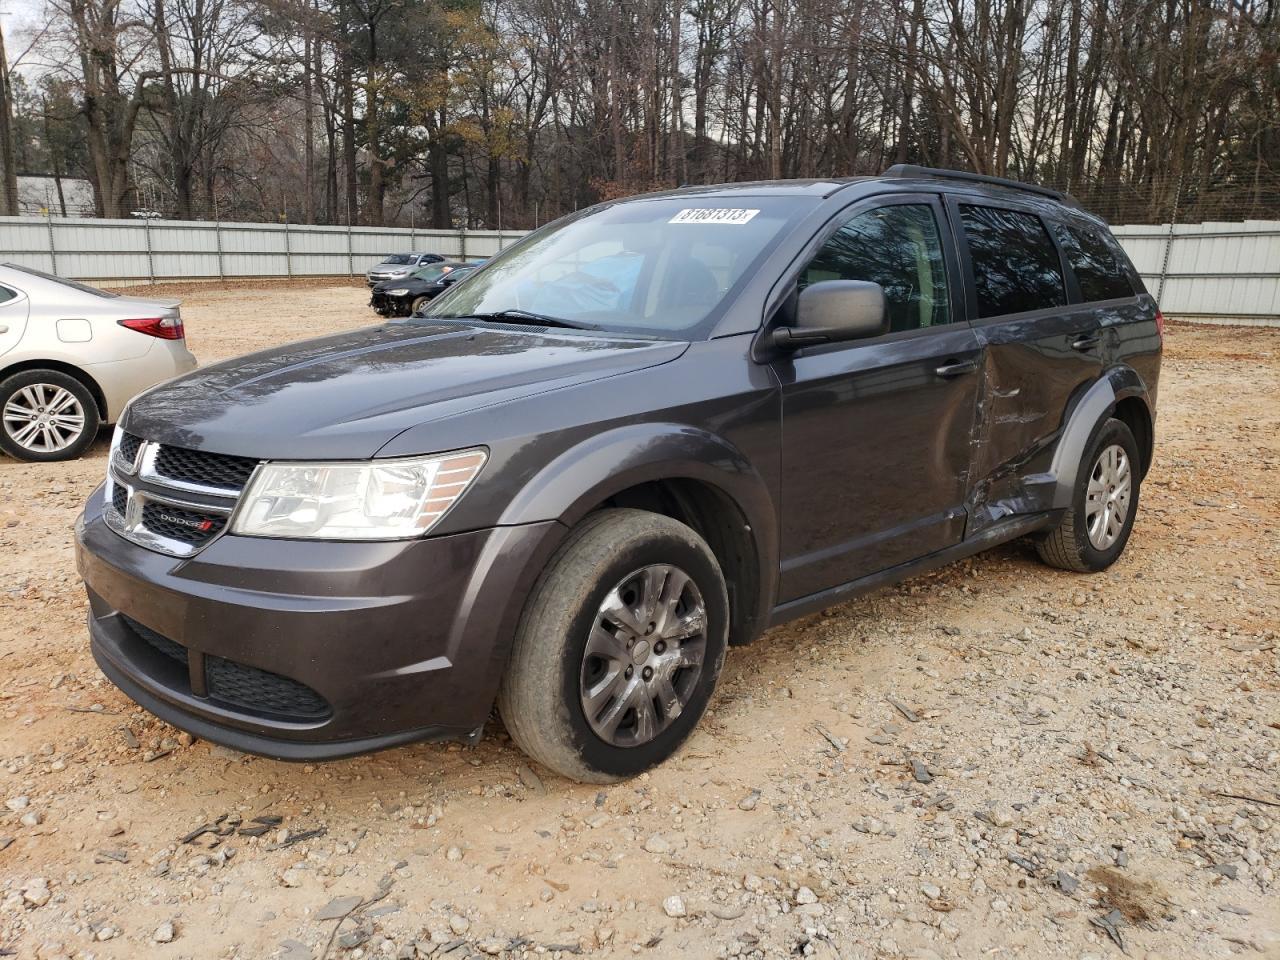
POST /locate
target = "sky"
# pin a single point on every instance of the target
(17, 20)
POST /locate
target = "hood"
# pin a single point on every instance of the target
(411, 283)
(346, 396)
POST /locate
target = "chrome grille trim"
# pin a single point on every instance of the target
(147, 471)
(143, 486)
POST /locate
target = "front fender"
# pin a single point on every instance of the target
(601, 466)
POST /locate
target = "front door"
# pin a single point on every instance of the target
(877, 433)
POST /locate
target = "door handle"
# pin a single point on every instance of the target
(1086, 341)
(956, 368)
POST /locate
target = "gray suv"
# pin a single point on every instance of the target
(643, 434)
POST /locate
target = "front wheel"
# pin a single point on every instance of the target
(1096, 527)
(419, 304)
(619, 648)
(46, 415)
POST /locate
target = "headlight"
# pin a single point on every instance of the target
(398, 292)
(366, 500)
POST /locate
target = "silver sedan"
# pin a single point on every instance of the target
(71, 357)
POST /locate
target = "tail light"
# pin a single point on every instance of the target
(166, 328)
(1160, 325)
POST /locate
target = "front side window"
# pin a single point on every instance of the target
(1098, 269)
(6, 294)
(660, 267)
(1015, 264)
(898, 247)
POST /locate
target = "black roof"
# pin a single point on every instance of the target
(825, 187)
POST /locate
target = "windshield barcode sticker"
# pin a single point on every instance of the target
(732, 216)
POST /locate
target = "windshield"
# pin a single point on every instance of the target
(661, 267)
(433, 272)
(398, 259)
(82, 287)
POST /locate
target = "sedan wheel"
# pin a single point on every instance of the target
(46, 415)
(44, 418)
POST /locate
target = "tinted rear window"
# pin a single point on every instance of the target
(1015, 264)
(1094, 262)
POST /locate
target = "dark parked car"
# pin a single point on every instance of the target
(397, 266)
(400, 298)
(643, 434)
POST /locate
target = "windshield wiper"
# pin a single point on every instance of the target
(519, 316)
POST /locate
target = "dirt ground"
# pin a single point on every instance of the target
(995, 760)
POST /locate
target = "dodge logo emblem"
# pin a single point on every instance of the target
(183, 521)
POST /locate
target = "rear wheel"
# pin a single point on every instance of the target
(46, 415)
(1096, 528)
(618, 651)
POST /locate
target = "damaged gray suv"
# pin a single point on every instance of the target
(643, 434)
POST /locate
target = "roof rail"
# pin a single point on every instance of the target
(910, 170)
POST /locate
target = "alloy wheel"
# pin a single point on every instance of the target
(644, 655)
(43, 418)
(1106, 504)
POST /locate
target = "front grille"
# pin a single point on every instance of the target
(161, 644)
(206, 469)
(119, 498)
(260, 690)
(239, 685)
(186, 526)
(128, 448)
(171, 499)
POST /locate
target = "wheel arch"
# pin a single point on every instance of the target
(1120, 393)
(1133, 412)
(71, 370)
(682, 472)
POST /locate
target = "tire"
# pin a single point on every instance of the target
(1074, 544)
(542, 698)
(63, 439)
(418, 304)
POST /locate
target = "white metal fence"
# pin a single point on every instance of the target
(159, 250)
(1227, 271)
(1220, 271)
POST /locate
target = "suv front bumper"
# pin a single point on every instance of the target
(311, 650)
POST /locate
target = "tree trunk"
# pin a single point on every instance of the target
(349, 143)
(438, 157)
(8, 175)
(308, 133)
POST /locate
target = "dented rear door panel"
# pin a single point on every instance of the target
(1034, 366)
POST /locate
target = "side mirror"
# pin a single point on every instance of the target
(835, 310)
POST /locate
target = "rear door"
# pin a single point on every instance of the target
(877, 433)
(1042, 346)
